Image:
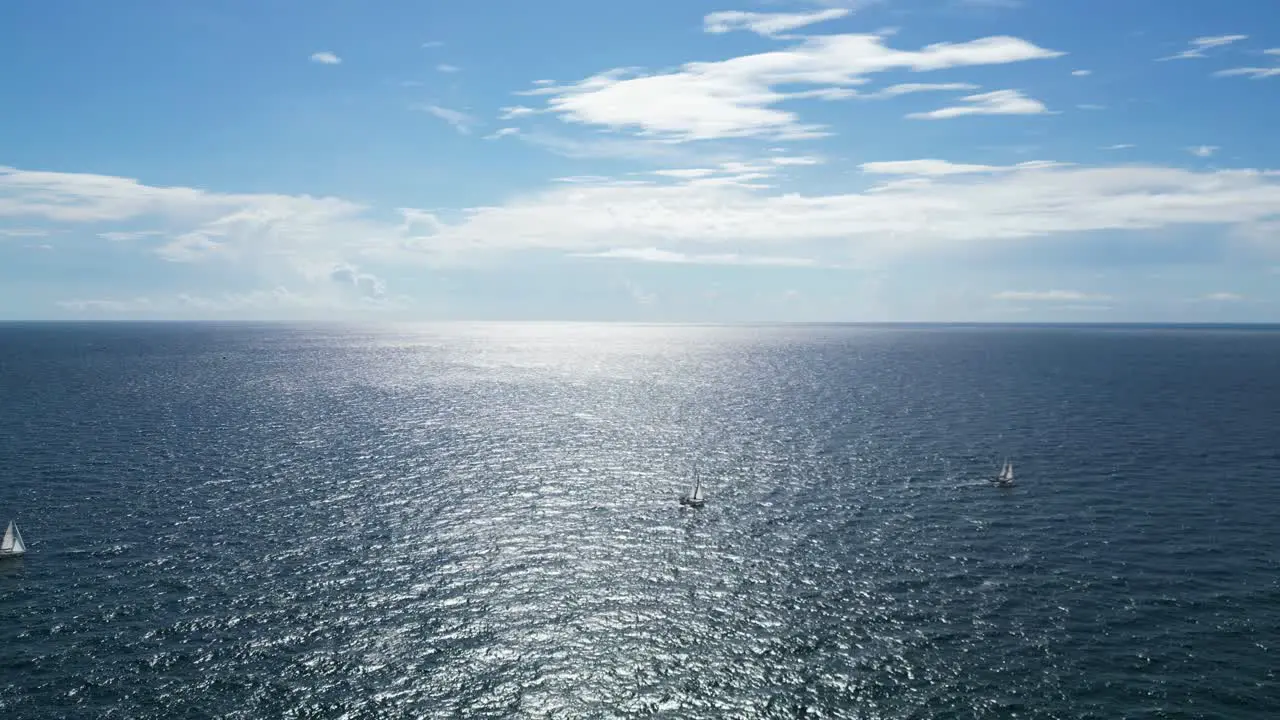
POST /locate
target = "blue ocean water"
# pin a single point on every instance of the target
(251, 521)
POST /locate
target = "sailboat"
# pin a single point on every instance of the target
(695, 497)
(12, 545)
(1005, 478)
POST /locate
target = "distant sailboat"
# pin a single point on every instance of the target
(695, 497)
(1005, 478)
(12, 545)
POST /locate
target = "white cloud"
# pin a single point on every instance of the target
(898, 217)
(1200, 44)
(191, 247)
(1255, 73)
(999, 102)
(460, 121)
(907, 88)
(23, 232)
(1223, 297)
(729, 173)
(126, 236)
(737, 97)
(83, 197)
(655, 255)
(686, 173)
(1271, 51)
(108, 306)
(593, 179)
(1203, 151)
(638, 294)
(447, 68)
(433, 44)
(362, 284)
(925, 167)
(1091, 106)
(734, 172)
(268, 302)
(261, 237)
(509, 113)
(620, 148)
(502, 132)
(325, 58)
(796, 160)
(925, 205)
(1081, 73)
(767, 24)
(1049, 296)
(1119, 146)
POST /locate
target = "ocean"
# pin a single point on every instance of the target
(481, 520)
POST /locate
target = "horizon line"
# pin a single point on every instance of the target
(691, 323)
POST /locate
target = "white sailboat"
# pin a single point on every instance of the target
(12, 545)
(696, 497)
(1005, 478)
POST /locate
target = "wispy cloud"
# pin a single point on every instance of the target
(1119, 146)
(1081, 73)
(462, 122)
(126, 236)
(685, 173)
(108, 306)
(1203, 151)
(447, 68)
(796, 160)
(738, 97)
(723, 215)
(1255, 73)
(23, 232)
(1208, 42)
(654, 255)
(767, 24)
(999, 102)
(433, 44)
(941, 168)
(502, 132)
(1223, 297)
(615, 148)
(908, 88)
(639, 295)
(268, 302)
(1049, 296)
(325, 58)
(926, 167)
(510, 113)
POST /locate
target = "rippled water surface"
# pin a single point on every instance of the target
(481, 521)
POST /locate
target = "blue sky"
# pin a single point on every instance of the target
(936, 160)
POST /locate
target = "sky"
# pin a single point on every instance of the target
(664, 161)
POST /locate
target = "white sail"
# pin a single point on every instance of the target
(696, 495)
(12, 543)
(1008, 472)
